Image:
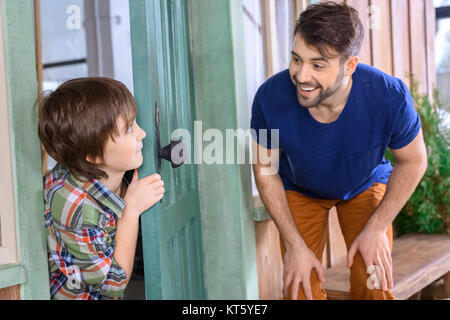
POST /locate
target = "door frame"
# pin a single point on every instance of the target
(218, 55)
(30, 270)
(217, 51)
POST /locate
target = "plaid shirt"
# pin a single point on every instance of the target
(80, 220)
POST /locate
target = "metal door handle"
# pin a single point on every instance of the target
(175, 152)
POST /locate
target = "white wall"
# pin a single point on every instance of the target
(254, 49)
(108, 40)
(121, 42)
(254, 56)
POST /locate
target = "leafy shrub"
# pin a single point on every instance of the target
(428, 209)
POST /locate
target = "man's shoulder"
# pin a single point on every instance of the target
(276, 83)
(377, 82)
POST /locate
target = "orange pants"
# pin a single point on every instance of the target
(311, 218)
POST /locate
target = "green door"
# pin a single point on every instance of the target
(171, 230)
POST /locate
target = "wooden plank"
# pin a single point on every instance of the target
(25, 152)
(300, 6)
(5, 251)
(418, 260)
(381, 35)
(447, 284)
(418, 44)
(229, 263)
(269, 261)
(39, 69)
(37, 24)
(269, 33)
(401, 40)
(430, 31)
(337, 282)
(336, 242)
(8, 247)
(362, 6)
(10, 293)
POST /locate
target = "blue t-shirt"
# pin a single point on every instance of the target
(337, 160)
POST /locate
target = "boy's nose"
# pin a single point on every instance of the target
(142, 134)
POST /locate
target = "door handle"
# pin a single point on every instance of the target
(175, 152)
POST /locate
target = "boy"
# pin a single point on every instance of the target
(92, 216)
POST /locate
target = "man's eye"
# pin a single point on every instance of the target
(318, 67)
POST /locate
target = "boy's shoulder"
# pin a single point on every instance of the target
(70, 204)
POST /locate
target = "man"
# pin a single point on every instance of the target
(329, 121)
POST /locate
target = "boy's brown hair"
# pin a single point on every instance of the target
(328, 25)
(76, 120)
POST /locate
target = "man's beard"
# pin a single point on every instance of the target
(323, 95)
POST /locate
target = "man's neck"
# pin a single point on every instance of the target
(330, 109)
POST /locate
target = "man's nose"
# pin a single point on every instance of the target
(303, 75)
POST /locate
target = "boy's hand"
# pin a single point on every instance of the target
(144, 193)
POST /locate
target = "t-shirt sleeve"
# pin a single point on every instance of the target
(261, 132)
(407, 124)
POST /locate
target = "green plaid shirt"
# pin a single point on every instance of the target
(81, 221)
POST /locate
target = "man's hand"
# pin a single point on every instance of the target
(298, 265)
(373, 246)
(372, 242)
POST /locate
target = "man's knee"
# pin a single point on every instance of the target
(365, 283)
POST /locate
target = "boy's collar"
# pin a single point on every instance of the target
(101, 193)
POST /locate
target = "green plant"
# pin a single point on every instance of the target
(428, 209)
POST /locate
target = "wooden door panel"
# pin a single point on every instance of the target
(171, 231)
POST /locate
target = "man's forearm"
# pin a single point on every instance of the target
(273, 195)
(401, 185)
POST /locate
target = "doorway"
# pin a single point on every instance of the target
(81, 38)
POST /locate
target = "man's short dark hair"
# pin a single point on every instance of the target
(331, 25)
(76, 120)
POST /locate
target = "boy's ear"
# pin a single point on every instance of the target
(92, 160)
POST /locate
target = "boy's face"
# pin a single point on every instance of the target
(125, 152)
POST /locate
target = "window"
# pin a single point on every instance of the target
(77, 38)
(63, 41)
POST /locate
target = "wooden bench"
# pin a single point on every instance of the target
(418, 260)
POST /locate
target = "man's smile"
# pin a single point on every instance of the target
(306, 91)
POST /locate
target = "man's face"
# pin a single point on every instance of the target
(315, 77)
